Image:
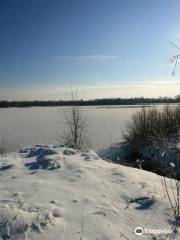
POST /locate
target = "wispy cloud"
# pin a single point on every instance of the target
(104, 57)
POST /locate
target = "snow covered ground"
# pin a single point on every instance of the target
(63, 194)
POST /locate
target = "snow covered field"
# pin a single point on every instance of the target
(27, 126)
(63, 194)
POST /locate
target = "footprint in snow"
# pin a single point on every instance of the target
(142, 203)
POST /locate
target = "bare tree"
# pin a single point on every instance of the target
(76, 130)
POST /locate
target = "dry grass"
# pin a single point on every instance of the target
(150, 123)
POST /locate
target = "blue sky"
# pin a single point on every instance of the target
(113, 48)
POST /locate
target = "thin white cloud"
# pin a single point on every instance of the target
(88, 57)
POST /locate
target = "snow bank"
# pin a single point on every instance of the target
(120, 153)
(90, 155)
(40, 151)
(152, 157)
(85, 198)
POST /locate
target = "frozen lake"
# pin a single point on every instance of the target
(23, 127)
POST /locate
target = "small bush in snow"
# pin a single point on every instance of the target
(171, 189)
(151, 124)
(75, 134)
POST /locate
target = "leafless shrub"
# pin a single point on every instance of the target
(75, 134)
(171, 179)
(173, 191)
(150, 123)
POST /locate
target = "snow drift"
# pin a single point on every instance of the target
(63, 194)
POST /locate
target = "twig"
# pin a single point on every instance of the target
(82, 229)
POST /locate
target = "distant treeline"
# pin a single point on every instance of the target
(95, 102)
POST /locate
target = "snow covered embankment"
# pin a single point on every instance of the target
(63, 194)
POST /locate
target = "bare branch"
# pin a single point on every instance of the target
(75, 133)
(174, 45)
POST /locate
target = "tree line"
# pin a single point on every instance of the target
(94, 102)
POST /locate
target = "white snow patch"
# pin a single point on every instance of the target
(85, 198)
